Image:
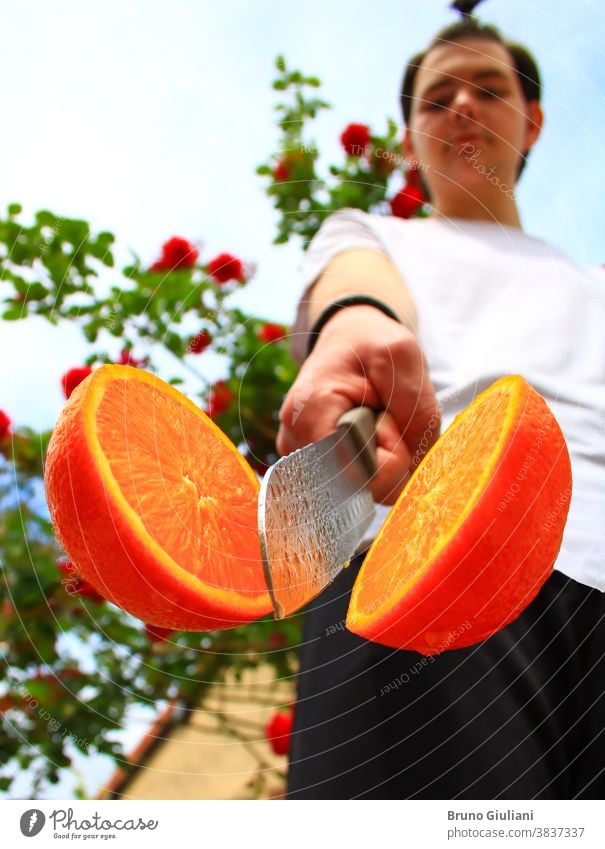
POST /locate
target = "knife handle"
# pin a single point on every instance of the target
(360, 422)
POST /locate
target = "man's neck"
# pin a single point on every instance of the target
(497, 208)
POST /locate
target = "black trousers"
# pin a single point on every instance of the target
(519, 716)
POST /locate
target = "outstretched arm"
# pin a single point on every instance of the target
(364, 357)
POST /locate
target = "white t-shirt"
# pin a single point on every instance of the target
(493, 301)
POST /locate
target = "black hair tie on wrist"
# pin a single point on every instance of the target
(351, 301)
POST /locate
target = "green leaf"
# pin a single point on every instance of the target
(40, 690)
(14, 209)
(44, 218)
(21, 251)
(91, 331)
(99, 248)
(174, 343)
(20, 283)
(75, 232)
(15, 313)
(36, 292)
(58, 266)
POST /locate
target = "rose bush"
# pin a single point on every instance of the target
(72, 664)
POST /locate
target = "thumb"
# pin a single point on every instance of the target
(311, 411)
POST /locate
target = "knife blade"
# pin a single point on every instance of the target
(314, 508)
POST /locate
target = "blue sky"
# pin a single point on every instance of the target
(149, 118)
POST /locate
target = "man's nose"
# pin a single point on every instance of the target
(463, 104)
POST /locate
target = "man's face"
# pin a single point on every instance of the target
(469, 117)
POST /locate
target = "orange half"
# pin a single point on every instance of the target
(476, 531)
(154, 504)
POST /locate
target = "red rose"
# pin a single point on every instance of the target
(271, 332)
(157, 634)
(281, 172)
(277, 640)
(407, 201)
(219, 399)
(225, 267)
(355, 138)
(199, 343)
(5, 425)
(126, 359)
(66, 566)
(279, 730)
(176, 253)
(294, 164)
(259, 466)
(6, 702)
(87, 590)
(73, 378)
(412, 177)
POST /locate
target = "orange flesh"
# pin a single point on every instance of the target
(436, 501)
(193, 497)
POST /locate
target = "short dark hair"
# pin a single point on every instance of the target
(469, 27)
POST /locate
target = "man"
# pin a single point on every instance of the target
(451, 303)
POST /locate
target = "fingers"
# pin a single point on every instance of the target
(399, 374)
(313, 407)
(393, 460)
(331, 381)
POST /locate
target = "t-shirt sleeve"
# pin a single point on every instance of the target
(342, 231)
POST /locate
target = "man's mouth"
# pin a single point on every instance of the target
(468, 138)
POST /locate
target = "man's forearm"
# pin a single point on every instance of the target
(362, 272)
(358, 271)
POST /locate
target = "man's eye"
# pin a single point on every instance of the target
(436, 104)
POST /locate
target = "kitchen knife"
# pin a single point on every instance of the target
(313, 511)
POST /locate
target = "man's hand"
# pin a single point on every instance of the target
(362, 357)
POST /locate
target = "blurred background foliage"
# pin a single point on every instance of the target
(72, 664)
